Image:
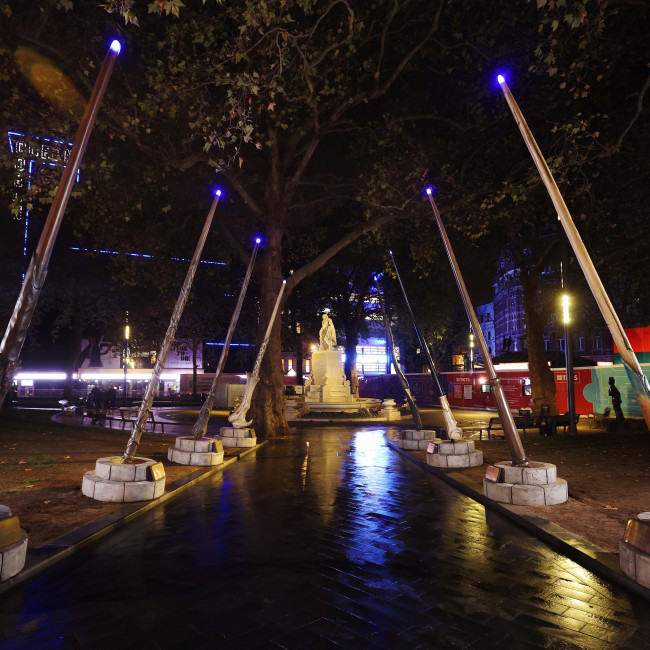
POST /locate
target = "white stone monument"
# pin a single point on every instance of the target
(328, 384)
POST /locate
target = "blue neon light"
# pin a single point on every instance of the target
(102, 251)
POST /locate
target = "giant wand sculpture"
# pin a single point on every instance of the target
(201, 424)
(400, 375)
(639, 381)
(453, 430)
(238, 417)
(515, 447)
(14, 337)
(152, 388)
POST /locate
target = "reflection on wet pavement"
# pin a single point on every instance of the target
(339, 543)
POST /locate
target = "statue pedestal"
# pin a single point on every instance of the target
(389, 410)
(328, 379)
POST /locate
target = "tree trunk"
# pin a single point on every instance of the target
(268, 403)
(351, 342)
(542, 382)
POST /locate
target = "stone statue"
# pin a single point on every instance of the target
(327, 334)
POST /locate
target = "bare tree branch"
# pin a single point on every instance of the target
(610, 151)
(320, 260)
(241, 190)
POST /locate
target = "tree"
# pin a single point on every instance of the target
(284, 78)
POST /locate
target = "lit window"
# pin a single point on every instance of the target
(561, 345)
(598, 345)
(581, 343)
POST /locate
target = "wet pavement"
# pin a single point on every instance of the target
(347, 545)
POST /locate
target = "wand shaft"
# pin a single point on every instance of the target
(639, 381)
(400, 375)
(152, 388)
(201, 425)
(517, 453)
(16, 331)
(452, 425)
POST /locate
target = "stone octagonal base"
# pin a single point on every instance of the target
(12, 558)
(231, 437)
(635, 563)
(203, 452)
(455, 454)
(535, 485)
(14, 551)
(414, 440)
(118, 482)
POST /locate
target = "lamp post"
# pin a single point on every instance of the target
(568, 342)
(471, 351)
(126, 355)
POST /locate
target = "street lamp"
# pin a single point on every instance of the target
(565, 309)
(126, 354)
(471, 351)
(568, 358)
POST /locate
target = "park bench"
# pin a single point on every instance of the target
(521, 422)
(561, 421)
(96, 414)
(130, 415)
(599, 420)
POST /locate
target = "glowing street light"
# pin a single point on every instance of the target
(127, 332)
(471, 351)
(566, 318)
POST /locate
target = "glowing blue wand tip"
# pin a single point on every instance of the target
(116, 47)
